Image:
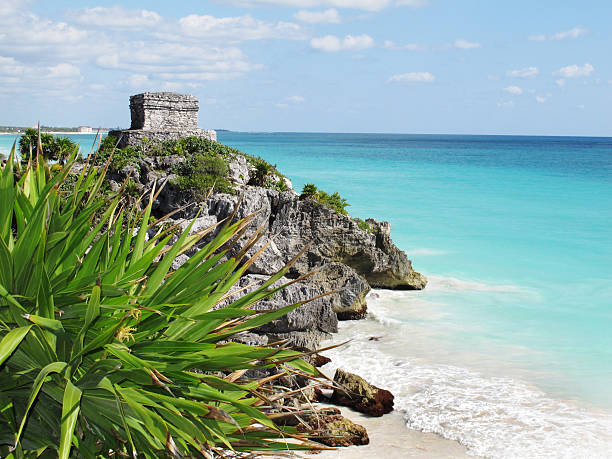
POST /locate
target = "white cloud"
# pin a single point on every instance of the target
(97, 87)
(331, 43)
(173, 61)
(116, 17)
(43, 31)
(506, 104)
(412, 3)
(63, 71)
(296, 99)
(291, 100)
(9, 66)
(575, 71)
(517, 91)
(538, 37)
(540, 99)
(366, 5)
(571, 34)
(137, 80)
(10, 6)
(239, 28)
(527, 72)
(329, 16)
(408, 46)
(560, 82)
(412, 77)
(464, 44)
(109, 61)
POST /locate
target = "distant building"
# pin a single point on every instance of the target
(85, 129)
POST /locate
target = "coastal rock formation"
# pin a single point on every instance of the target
(329, 427)
(342, 255)
(345, 257)
(303, 327)
(292, 223)
(355, 392)
(162, 116)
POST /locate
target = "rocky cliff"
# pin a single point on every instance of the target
(346, 256)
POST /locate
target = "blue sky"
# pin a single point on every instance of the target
(407, 66)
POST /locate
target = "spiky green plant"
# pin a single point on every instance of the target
(104, 350)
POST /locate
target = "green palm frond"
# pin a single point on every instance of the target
(103, 348)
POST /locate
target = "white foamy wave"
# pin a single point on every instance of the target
(493, 417)
(457, 285)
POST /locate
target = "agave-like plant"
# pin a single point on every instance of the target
(104, 349)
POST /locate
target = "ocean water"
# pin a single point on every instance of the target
(85, 142)
(509, 348)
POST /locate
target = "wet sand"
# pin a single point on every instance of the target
(390, 438)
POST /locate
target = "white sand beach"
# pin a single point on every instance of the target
(390, 438)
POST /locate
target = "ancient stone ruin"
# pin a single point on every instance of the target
(162, 116)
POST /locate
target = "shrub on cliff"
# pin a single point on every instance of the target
(121, 157)
(334, 200)
(201, 172)
(104, 351)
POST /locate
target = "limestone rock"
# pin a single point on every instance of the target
(293, 223)
(162, 116)
(329, 427)
(350, 303)
(238, 171)
(303, 327)
(357, 393)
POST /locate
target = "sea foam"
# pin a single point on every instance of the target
(492, 416)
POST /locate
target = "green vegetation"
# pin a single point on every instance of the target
(121, 157)
(104, 351)
(206, 164)
(365, 226)
(53, 148)
(201, 172)
(335, 201)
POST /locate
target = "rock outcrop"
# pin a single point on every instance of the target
(355, 392)
(329, 427)
(344, 255)
(162, 116)
(303, 327)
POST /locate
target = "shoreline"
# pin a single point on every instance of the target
(389, 435)
(391, 438)
(56, 133)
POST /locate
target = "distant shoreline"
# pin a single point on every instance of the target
(56, 133)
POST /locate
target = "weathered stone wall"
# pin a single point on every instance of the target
(164, 111)
(162, 116)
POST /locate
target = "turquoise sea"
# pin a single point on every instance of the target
(509, 348)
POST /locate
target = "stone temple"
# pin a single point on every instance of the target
(162, 116)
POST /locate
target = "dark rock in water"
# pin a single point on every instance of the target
(357, 393)
(329, 427)
(319, 360)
